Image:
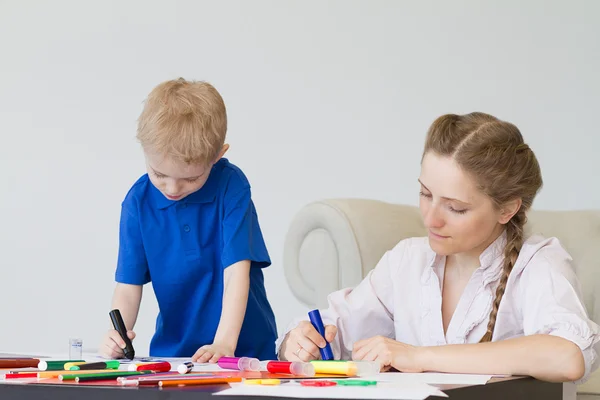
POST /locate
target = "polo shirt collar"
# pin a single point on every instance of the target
(206, 194)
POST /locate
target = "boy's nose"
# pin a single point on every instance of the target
(172, 188)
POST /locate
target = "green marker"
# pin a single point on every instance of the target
(355, 382)
(100, 376)
(55, 365)
(96, 365)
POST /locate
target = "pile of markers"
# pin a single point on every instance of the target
(163, 373)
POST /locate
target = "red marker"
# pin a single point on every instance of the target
(21, 375)
(162, 366)
(291, 367)
(318, 383)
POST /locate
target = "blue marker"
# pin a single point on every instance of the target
(317, 322)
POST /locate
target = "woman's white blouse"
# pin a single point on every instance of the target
(401, 298)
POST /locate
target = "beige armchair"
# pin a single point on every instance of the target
(332, 244)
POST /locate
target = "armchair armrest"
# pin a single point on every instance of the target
(332, 244)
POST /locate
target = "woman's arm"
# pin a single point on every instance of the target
(545, 357)
(359, 312)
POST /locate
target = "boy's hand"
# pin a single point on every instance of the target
(212, 352)
(112, 345)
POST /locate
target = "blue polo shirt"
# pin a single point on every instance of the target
(183, 247)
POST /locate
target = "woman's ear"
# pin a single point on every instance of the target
(509, 209)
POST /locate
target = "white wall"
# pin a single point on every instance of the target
(325, 99)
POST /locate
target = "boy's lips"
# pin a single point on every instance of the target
(174, 197)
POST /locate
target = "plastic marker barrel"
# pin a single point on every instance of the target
(348, 368)
(55, 365)
(239, 363)
(72, 364)
(291, 367)
(317, 322)
(119, 325)
(112, 364)
(163, 366)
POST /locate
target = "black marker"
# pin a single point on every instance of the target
(117, 320)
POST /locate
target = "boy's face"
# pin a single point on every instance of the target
(173, 178)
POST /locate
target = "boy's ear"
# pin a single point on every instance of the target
(222, 152)
(509, 210)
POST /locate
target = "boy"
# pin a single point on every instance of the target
(189, 226)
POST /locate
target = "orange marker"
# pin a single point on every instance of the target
(205, 381)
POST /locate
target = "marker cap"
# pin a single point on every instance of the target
(301, 368)
(365, 368)
(249, 364)
(185, 367)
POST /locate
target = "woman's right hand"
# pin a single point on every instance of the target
(303, 342)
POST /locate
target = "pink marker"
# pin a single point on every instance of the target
(239, 363)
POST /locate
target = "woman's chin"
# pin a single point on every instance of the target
(442, 249)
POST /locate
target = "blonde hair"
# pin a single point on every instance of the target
(494, 154)
(185, 120)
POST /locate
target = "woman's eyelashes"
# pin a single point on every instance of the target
(450, 207)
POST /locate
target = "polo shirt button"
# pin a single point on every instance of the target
(186, 228)
(183, 205)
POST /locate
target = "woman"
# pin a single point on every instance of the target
(476, 295)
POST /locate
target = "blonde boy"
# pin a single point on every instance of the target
(189, 226)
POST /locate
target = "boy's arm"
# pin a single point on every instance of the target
(131, 274)
(243, 249)
(236, 286)
(235, 299)
(127, 299)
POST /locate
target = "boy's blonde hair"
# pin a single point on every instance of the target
(185, 120)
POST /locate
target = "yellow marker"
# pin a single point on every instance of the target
(348, 368)
(271, 382)
(72, 364)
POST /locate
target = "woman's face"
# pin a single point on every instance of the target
(458, 216)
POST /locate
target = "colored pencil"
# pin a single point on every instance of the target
(56, 374)
(101, 376)
(153, 379)
(190, 382)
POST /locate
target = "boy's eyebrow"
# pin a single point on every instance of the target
(161, 174)
(446, 198)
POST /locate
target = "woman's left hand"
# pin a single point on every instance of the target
(389, 353)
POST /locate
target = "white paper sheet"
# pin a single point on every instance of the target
(416, 391)
(431, 378)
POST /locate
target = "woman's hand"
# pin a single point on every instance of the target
(389, 353)
(303, 342)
